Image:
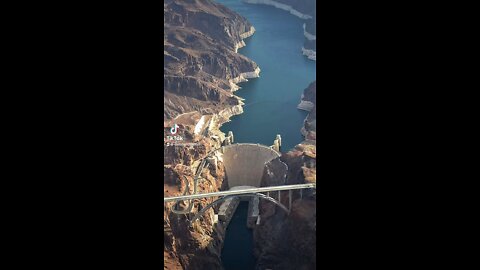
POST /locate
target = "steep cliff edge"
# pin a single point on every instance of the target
(201, 63)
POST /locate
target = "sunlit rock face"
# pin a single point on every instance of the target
(201, 65)
(199, 246)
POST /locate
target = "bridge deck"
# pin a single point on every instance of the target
(238, 192)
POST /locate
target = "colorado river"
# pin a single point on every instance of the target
(235, 256)
(270, 102)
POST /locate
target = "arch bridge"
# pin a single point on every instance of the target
(248, 192)
(244, 166)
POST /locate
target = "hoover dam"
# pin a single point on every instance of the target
(245, 163)
(212, 229)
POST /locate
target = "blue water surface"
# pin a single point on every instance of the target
(237, 252)
(271, 100)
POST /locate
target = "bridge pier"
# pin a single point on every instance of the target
(290, 200)
(253, 212)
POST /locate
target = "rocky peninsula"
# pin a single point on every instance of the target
(201, 63)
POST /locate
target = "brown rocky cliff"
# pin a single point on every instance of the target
(196, 247)
(289, 241)
(199, 246)
(200, 59)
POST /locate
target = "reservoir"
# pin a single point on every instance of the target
(271, 100)
(270, 103)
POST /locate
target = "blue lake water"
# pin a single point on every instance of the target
(270, 103)
(271, 100)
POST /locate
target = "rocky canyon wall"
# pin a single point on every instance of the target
(201, 63)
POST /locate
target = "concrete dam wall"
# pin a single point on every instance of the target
(245, 163)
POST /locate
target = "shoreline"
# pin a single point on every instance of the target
(307, 34)
(224, 116)
(218, 119)
(280, 6)
(243, 36)
(310, 54)
(243, 77)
